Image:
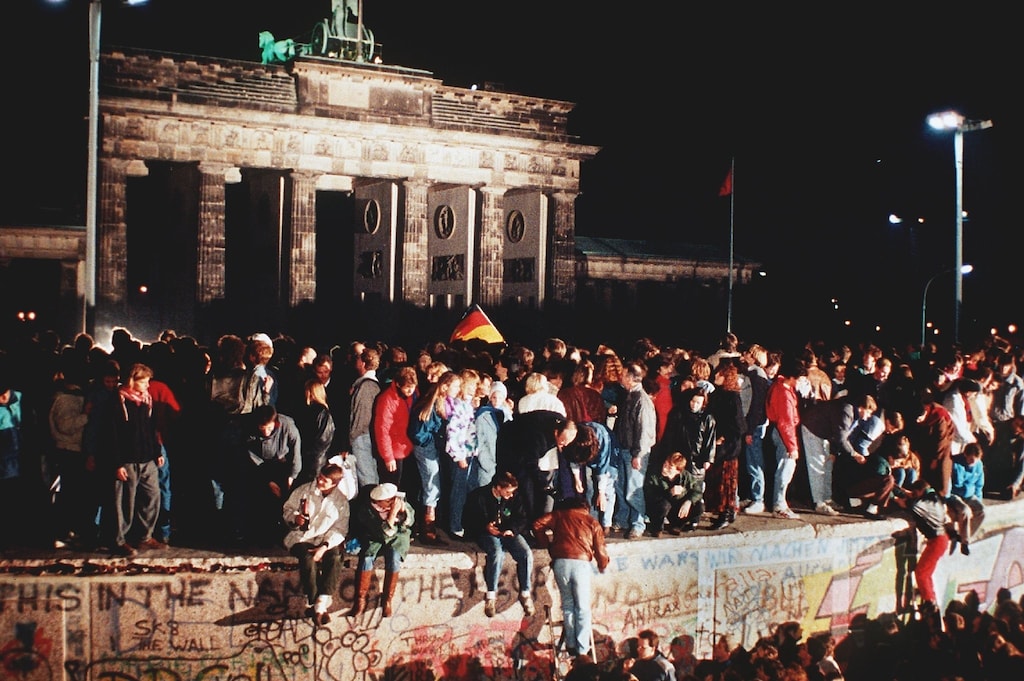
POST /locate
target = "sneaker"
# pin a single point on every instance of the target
(151, 543)
(786, 514)
(855, 502)
(871, 510)
(825, 509)
(634, 534)
(755, 507)
(458, 533)
(123, 550)
(722, 522)
(527, 603)
(489, 608)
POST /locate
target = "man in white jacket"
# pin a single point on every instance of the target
(317, 515)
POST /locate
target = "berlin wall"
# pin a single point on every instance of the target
(235, 618)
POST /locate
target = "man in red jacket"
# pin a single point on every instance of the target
(781, 405)
(391, 424)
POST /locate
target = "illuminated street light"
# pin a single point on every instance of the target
(951, 120)
(92, 170)
(964, 269)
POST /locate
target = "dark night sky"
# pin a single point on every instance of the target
(823, 109)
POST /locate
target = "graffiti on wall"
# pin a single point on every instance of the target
(250, 626)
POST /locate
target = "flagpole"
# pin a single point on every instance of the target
(732, 204)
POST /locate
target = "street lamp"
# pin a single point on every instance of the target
(951, 120)
(964, 269)
(92, 170)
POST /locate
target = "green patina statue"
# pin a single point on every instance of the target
(342, 36)
(277, 51)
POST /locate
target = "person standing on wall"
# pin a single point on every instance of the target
(575, 541)
(635, 430)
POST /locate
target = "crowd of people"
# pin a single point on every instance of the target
(964, 642)
(367, 448)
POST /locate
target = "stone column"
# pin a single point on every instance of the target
(302, 239)
(563, 249)
(415, 270)
(492, 246)
(112, 234)
(210, 246)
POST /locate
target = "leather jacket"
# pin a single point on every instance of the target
(576, 535)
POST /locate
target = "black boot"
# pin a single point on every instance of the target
(722, 522)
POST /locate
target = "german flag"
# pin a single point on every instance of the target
(476, 325)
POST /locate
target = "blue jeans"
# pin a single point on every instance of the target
(495, 548)
(163, 523)
(754, 456)
(430, 473)
(629, 487)
(573, 578)
(366, 465)
(784, 469)
(392, 560)
(904, 477)
(457, 495)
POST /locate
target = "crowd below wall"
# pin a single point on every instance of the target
(978, 645)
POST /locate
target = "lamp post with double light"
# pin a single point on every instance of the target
(951, 120)
(964, 269)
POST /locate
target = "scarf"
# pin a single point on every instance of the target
(137, 398)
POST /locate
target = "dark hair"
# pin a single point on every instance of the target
(264, 414)
(332, 471)
(504, 479)
(572, 502)
(584, 448)
(650, 636)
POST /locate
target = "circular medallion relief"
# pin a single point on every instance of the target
(444, 221)
(371, 216)
(515, 226)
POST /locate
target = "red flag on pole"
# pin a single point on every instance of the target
(475, 324)
(726, 189)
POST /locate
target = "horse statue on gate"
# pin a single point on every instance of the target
(277, 51)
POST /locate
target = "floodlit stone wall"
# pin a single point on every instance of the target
(241, 618)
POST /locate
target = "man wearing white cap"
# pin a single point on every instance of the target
(382, 521)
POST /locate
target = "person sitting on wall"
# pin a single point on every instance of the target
(317, 516)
